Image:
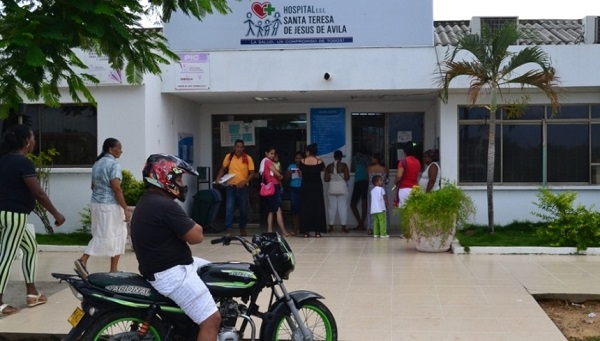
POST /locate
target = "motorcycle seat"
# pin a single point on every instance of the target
(128, 284)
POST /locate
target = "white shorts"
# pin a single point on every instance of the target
(182, 284)
(403, 194)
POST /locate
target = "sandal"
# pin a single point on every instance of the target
(345, 230)
(35, 300)
(80, 269)
(317, 235)
(306, 235)
(330, 230)
(11, 310)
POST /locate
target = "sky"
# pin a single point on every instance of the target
(524, 9)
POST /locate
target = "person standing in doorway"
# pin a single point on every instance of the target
(361, 188)
(337, 175)
(312, 201)
(237, 190)
(19, 190)
(408, 173)
(294, 176)
(271, 174)
(376, 168)
(431, 176)
(378, 208)
(108, 209)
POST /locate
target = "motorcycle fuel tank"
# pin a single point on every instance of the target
(229, 279)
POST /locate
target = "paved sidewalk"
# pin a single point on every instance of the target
(377, 289)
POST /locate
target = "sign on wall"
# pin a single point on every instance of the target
(236, 130)
(306, 23)
(328, 130)
(193, 72)
(98, 67)
(185, 145)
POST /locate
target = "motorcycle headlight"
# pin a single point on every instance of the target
(280, 253)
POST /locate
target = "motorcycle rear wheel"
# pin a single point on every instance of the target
(123, 326)
(316, 316)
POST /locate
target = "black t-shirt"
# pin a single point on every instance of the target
(157, 224)
(15, 196)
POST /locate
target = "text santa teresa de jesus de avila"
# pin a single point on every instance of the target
(309, 20)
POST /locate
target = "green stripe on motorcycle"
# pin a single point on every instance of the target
(129, 304)
(231, 284)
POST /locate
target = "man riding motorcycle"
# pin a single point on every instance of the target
(161, 232)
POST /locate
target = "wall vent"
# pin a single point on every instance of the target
(495, 23)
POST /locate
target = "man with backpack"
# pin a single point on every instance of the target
(239, 166)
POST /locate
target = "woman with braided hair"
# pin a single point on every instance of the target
(19, 190)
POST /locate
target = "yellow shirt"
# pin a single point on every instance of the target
(238, 167)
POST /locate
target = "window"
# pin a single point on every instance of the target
(70, 129)
(571, 154)
(387, 133)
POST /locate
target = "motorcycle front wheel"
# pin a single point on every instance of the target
(123, 326)
(316, 317)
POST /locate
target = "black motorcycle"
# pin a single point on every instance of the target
(124, 306)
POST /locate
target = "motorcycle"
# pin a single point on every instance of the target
(124, 306)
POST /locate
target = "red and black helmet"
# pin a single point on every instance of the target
(162, 170)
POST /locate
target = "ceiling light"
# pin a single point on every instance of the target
(270, 99)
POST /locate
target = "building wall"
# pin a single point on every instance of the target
(148, 118)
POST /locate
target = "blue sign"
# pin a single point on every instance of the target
(328, 130)
(186, 147)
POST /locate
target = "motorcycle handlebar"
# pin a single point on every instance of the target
(226, 240)
(217, 240)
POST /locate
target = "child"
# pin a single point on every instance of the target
(379, 204)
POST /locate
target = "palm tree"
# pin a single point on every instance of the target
(493, 68)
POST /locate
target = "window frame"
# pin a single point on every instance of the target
(573, 114)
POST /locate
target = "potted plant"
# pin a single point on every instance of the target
(432, 217)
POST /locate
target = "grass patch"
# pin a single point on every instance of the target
(514, 234)
(75, 238)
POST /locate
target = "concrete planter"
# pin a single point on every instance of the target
(430, 238)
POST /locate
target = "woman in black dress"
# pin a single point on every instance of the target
(312, 201)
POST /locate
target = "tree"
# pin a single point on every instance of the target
(43, 166)
(492, 69)
(37, 38)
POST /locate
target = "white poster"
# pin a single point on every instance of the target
(98, 67)
(236, 130)
(194, 71)
(404, 136)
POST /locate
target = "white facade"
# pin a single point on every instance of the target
(148, 118)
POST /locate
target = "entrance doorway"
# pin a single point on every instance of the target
(285, 132)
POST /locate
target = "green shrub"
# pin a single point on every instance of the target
(438, 212)
(567, 225)
(132, 188)
(85, 219)
(43, 165)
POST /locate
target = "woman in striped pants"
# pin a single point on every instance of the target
(19, 189)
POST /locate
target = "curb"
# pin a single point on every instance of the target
(522, 250)
(455, 248)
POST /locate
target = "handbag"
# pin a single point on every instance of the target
(337, 184)
(266, 189)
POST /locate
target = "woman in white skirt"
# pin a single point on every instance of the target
(109, 211)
